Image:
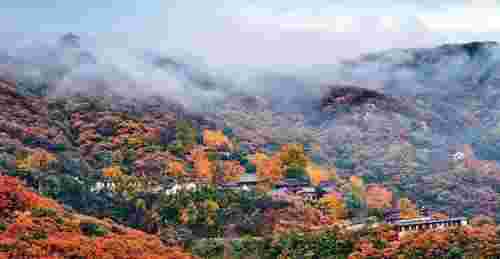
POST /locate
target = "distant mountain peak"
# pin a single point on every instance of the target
(471, 48)
(70, 40)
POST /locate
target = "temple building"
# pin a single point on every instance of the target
(392, 216)
(425, 223)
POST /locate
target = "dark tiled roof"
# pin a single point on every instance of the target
(245, 178)
(427, 221)
(290, 182)
(327, 184)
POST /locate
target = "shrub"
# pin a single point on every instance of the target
(228, 132)
(455, 253)
(378, 213)
(39, 235)
(92, 229)
(185, 135)
(250, 168)
(104, 156)
(130, 157)
(3, 163)
(59, 220)
(297, 173)
(153, 148)
(237, 156)
(311, 245)
(208, 248)
(247, 247)
(57, 147)
(43, 212)
(6, 248)
(212, 156)
(176, 149)
(3, 227)
(120, 213)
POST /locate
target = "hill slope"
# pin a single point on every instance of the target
(427, 104)
(36, 227)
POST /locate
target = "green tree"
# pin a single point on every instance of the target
(297, 173)
(185, 135)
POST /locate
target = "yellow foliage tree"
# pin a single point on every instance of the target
(293, 155)
(408, 210)
(357, 187)
(334, 205)
(132, 125)
(259, 158)
(23, 163)
(216, 139)
(39, 159)
(212, 207)
(136, 140)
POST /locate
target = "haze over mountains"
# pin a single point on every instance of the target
(440, 98)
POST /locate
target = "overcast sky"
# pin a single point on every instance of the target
(256, 32)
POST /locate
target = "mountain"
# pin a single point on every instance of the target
(432, 102)
(418, 123)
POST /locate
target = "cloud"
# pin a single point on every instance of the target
(263, 38)
(471, 16)
(264, 33)
(482, 3)
(244, 38)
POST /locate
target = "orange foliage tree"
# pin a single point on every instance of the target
(408, 209)
(38, 159)
(273, 169)
(13, 196)
(318, 174)
(378, 197)
(113, 171)
(270, 169)
(203, 167)
(175, 168)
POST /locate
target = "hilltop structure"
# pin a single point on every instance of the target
(392, 216)
(425, 223)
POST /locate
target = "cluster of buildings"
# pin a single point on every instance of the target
(392, 216)
(291, 185)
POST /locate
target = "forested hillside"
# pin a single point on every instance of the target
(306, 176)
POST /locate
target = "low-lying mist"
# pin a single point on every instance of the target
(448, 77)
